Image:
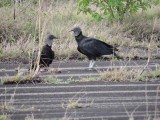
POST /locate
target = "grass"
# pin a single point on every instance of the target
(3, 117)
(22, 80)
(74, 105)
(126, 74)
(34, 21)
(54, 80)
(30, 117)
(155, 74)
(119, 74)
(115, 74)
(22, 77)
(6, 106)
(111, 74)
(16, 79)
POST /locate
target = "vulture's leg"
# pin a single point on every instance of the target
(93, 62)
(90, 64)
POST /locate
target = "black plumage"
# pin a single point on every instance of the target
(92, 47)
(46, 55)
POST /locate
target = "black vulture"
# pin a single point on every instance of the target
(92, 47)
(47, 54)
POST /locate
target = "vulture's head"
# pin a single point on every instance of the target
(49, 39)
(76, 31)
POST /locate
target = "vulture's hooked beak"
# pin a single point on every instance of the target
(56, 38)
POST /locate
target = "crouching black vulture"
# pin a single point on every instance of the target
(92, 47)
(47, 54)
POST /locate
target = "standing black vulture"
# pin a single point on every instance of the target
(47, 54)
(92, 47)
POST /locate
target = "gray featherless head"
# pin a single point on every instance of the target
(49, 39)
(76, 31)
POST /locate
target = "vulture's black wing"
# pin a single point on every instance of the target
(47, 56)
(95, 47)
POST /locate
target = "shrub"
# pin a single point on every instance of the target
(112, 9)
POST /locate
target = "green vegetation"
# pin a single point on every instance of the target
(155, 74)
(53, 80)
(112, 9)
(74, 105)
(3, 117)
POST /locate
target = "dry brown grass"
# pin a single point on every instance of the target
(120, 74)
